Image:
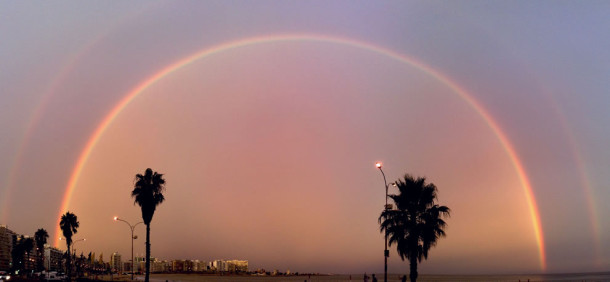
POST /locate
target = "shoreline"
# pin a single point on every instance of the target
(594, 276)
(393, 277)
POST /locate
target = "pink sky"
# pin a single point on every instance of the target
(269, 150)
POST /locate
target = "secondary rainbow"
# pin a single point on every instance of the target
(493, 125)
(40, 107)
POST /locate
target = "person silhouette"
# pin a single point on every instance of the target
(374, 278)
(366, 277)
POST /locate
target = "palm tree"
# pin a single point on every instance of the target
(417, 222)
(40, 237)
(18, 253)
(69, 224)
(148, 193)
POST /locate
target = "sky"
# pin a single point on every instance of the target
(267, 117)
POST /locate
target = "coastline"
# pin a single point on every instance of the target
(603, 276)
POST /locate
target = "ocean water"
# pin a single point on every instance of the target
(580, 277)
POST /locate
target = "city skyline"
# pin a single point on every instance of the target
(211, 264)
(267, 118)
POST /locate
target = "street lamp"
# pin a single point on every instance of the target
(387, 206)
(73, 249)
(116, 218)
(73, 243)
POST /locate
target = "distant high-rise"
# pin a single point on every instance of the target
(52, 258)
(188, 265)
(115, 262)
(139, 264)
(157, 265)
(178, 265)
(8, 239)
(6, 246)
(220, 265)
(237, 265)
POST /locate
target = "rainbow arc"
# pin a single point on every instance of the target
(462, 93)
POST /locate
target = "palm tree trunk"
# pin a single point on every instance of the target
(69, 265)
(39, 260)
(413, 268)
(147, 277)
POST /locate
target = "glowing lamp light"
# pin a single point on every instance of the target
(116, 218)
(378, 164)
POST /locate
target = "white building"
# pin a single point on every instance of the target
(140, 264)
(52, 258)
(220, 265)
(115, 263)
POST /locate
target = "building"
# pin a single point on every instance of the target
(6, 247)
(198, 266)
(177, 265)
(9, 239)
(202, 266)
(157, 266)
(237, 265)
(188, 265)
(52, 258)
(139, 264)
(127, 267)
(220, 265)
(115, 263)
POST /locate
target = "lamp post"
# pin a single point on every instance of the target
(116, 218)
(387, 206)
(73, 249)
(74, 243)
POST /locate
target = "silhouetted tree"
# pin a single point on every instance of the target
(21, 247)
(69, 225)
(17, 253)
(40, 237)
(148, 193)
(417, 222)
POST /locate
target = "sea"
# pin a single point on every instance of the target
(580, 277)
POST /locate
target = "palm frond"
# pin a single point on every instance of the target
(148, 193)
